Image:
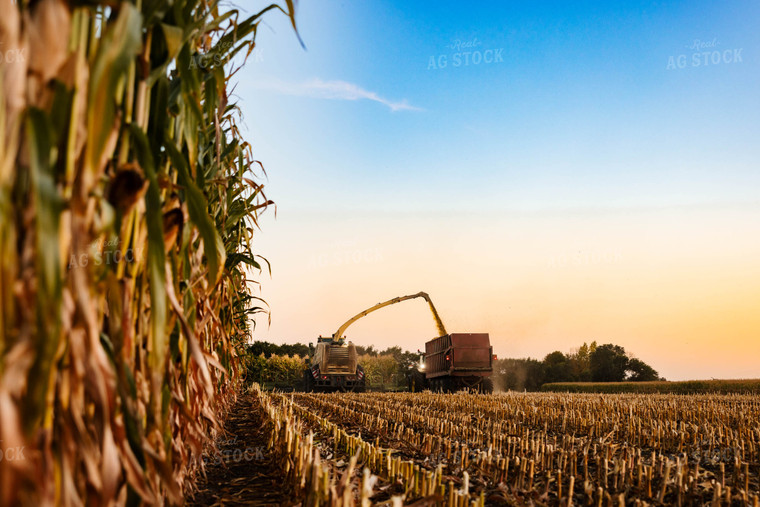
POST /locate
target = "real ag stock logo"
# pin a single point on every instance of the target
(705, 54)
(104, 252)
(464, 53)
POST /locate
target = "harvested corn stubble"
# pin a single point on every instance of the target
(468, 449)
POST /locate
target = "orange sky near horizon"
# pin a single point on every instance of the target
(677, 287)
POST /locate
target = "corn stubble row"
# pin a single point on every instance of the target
(527, 448)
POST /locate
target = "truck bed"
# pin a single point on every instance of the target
(458, 354)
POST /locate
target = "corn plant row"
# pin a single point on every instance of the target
(128, 204)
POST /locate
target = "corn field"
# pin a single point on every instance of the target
(517, 448)
(128, 203)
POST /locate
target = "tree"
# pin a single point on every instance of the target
(370, 351)
(639, 371)
(604, 363)
(558, 368)
(608, 363)
(259, 348)
(269, 349)
(406, 360)
(295, 350)
(580, 362)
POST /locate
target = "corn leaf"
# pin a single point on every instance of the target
(48, 208)
(156, 255)
(116, 50)
(197, 207)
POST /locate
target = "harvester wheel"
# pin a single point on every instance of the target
(308, 383)
(487, 385)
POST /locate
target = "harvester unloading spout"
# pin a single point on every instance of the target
(338, 335)
(334, 362)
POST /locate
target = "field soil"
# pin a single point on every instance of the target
(243, 472)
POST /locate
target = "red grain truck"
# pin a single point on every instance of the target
(459, 360)
(455, 361)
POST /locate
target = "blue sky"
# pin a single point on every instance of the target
(580, 116)
(582, 110)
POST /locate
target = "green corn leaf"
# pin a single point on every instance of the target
(156, 254)
(237, 211)
(236, 258)
(48, 202)
(174, 37)
(48, 207)
(197, 207)
(116, 50)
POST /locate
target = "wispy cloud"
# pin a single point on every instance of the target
(336, 90)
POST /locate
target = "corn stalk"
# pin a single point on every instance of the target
(128, 202)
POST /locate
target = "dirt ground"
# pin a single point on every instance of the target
(243, 473)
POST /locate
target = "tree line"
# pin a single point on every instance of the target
(389, 367)
(588, 363)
